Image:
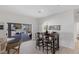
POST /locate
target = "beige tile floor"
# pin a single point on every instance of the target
(62, 50)
(32, 50)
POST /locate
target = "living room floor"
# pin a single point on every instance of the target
(29, 48)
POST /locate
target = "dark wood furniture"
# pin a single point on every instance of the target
(14, 46)
(48, 41)
(3, 44)
(39, 41)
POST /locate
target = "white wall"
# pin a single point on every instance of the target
(66, 20)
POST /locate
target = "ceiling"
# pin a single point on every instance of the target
(37, 11)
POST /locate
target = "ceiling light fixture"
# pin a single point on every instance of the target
(40, 11)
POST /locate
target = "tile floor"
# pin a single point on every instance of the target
(32, 50)
(29, 48)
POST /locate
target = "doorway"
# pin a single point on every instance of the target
(77, 35)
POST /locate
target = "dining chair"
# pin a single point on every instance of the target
(56, 39)
(3, 44)
(39, 40)
(48, 44)
(14, 46)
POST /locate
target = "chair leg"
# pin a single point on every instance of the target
(18, 51)
(8, 51)
(39, 47)
(51, 48)
(43, 48)
(47, 49)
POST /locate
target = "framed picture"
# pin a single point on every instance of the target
(54, 27)
(1, 27)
